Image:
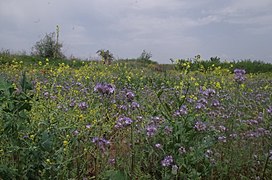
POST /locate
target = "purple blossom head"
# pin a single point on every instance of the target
(151, 130)
(123, 122)
(203, 101)
(167, 161)
(130, 96)
(83, 106)
(104, 89)
(269, 110)
(215, 103)
(222, 139)
(159, 146)
(46, 94)
(72, 103)
(101, 143)
(209, 92)
(168, 130)
(200, 106)
(182, 150)
(134, 105)
(200, 126)
(239, 75)
(182, 111)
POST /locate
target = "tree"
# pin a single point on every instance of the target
(48, 47)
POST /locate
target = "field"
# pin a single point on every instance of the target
(129, 120)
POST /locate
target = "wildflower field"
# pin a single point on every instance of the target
(133, 121)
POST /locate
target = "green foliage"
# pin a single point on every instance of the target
(192, 122)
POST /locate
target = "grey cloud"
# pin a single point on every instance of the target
(167, 28)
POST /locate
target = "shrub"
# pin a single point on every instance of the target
(48, 47)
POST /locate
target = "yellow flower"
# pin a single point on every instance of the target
(218, 85)
(65, 143)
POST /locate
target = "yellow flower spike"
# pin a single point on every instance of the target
(47, 60)
(40, 63)
(48, 160)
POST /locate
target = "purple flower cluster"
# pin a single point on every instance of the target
(167, 161)
(83, 106)
(239, 75)
(130, 96)
(123, 122)
(134, 105)
(269, 110)
(101, 143)
(151, 130)
(104, 89)
(209, 92)
(200, 126)
(182, 111)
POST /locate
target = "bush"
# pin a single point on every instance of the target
(48, 47)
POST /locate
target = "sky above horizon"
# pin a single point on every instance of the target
(231, 30)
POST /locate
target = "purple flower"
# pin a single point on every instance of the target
(239, 75)
(209, 92)
(167, 161)
(200, 106)
(222, 139)
(101, 143)
(203, 101)
(46, 94)
(83, 106)
(88, 126)
(182, 111)
(151, 130)
(182, 150)
(104, 88)
(159, 146)
(123, 122)
(168, 130)
(72, 103)
(269, 110)
(200, 126)
(215, 103)
(134, 105)
(130, 96)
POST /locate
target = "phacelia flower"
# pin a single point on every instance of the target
(239, 75)
(215, 103)
(151, 130)
(123, 122)
(200, 126)
(167, 161)
(182, 111)
(134, 105)
(130, 96)
(159, 146)
(209, 92)
(182, 150)
(101, 143)
(269, 110)
(104, 89)
(83, 105)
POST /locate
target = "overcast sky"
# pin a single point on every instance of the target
(230, 29)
